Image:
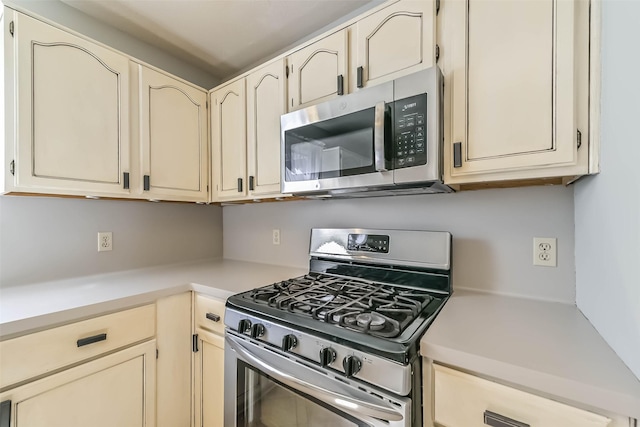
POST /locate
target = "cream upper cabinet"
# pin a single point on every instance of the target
(173, 138)
(318, 72)
(265, 104)
(513, 88)
(229, 140)
(72, 112)
(397, 40)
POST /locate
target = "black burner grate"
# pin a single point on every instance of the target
(372, 308)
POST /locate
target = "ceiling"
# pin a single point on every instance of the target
(220, 37)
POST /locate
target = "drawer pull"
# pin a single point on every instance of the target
(212, 316)
(5, 413)
(90, 340)
(497, 420)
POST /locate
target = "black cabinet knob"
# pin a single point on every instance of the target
(288, 342)
(327, 356)
(257, 330)
(351, 365)
(244, 326)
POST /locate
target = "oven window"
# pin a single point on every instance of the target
(337, 147)
(264, 402)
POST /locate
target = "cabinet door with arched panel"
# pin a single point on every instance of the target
(318, 72)
(265, 104)
(72, 113)
(229, 141)
(394, 41)
(173, 138)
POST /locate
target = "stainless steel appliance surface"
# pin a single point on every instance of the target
(339, 345)
(382, 140)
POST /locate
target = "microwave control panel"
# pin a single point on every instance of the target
(410, 130)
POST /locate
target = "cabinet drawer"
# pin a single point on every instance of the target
(210, 314)
(42, 352)
(463, 400)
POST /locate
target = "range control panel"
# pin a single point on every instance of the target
(368, 243)
(410, 141)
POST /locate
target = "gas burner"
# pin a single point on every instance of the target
(370, 321)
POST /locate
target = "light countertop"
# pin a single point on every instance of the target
(547, 348)
(29, 308)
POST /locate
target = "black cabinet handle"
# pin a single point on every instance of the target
(213, 316)
(239, 185)
(125, 180)
(5, 413)
(90, 340)
(496, 420)
(340, 85)
(360, 76)
(147, 182)
(251, 183)
(457, 154)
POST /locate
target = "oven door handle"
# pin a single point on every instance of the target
(327, 396)
(378, 137)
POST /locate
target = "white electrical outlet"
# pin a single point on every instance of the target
(544, 251)
(276, 236)
(105, 241)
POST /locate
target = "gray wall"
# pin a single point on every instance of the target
(493, 233)
(73, 19)
(607, 206)
(45, 239)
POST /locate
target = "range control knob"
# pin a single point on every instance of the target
(288, 342)
(351, 365)
(257, 330)
(244, 326)
(327, 356)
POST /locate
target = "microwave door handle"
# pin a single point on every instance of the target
(327, 396)
(378, 137)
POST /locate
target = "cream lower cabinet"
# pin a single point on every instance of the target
(209, 372)
(173, 138)
(114, 390)
(392, 42)
(318, 72)
(174, 365)
(516, 105)
(71, 132)
(98, 372)
(463, 400)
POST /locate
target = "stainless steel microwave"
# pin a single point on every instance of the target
(386, 139)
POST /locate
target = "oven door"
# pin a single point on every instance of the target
(339, 144)
(266, 388)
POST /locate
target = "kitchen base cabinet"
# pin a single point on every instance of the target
(175, 359)
(209, 364)
(463, 400)
(114, 390)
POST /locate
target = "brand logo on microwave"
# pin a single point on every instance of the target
(405, 107)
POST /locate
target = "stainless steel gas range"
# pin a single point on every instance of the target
(338, 346)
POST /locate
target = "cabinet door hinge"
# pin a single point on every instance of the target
(12, 167)
(579, 138)
(11, 28)
(194, 343)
